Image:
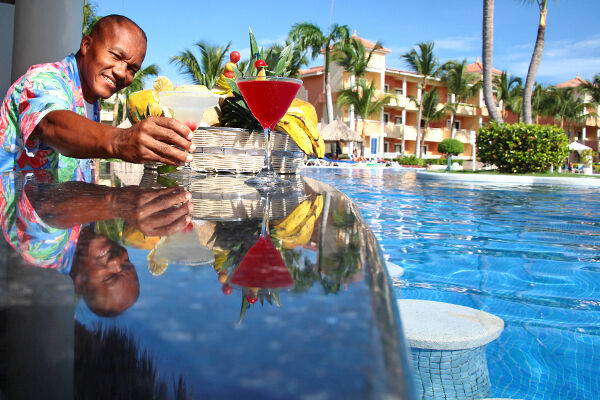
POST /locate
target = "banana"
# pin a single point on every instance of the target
(307, 109)
(292, 127)
(301, 236)
(291, 223)
(317, 142)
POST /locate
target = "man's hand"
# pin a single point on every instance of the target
(155, 212)
(153, 139)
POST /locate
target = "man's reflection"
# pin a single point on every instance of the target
(51, 225)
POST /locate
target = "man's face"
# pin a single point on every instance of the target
(110, 60)
(107, 279)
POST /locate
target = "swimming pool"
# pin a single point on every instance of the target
(528, 254)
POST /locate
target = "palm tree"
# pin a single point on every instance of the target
(352, 56)
(509, 90)
(534, 64)
(309, 37)
(539, 102)
(431, 110)
(487, 50)
(568, 107)
(593, 89)
(362, 97)
(207, 71)
(89, 17)
(136, 85)
(298, 59)
(424, 63)
(459, 83)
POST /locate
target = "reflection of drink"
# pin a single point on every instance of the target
(262, 267)
(268, 99)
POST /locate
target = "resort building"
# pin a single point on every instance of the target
(393, 132)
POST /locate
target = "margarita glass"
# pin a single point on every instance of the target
(268, 98)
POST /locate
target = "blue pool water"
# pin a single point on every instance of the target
(528, 254)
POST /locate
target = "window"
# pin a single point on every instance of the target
(422, 123)
(398, 148)
(398, 120)
(456, 124)
(424, 150)
(399, 92)
(386, 88)
(386, 118)
(386, 147)
(373, 145)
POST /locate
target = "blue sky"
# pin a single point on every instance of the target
(572, 37)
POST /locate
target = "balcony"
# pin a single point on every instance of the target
(464, 109)
(393, 131)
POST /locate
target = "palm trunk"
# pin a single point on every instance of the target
(534, 64)
(419, 115)
(488, 47)
(329, 100)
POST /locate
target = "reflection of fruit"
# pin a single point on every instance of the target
(192, 125)
(297, 228)
(133, 237)
(251, 300)
(226, 289)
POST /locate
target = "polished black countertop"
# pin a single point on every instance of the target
(114, 287)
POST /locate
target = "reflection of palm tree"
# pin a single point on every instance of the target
(208, 69)
(424, 63)
(488, 46)
(308, 36)
(461, 84)
(362, 98)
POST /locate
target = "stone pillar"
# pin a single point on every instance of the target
(7, 16)
(45, 31)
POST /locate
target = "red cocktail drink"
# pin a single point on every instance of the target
(268, 99)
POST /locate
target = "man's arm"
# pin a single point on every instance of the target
(149, 140)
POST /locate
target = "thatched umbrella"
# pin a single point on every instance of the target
(337, 131)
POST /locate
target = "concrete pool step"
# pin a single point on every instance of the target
(447, 344)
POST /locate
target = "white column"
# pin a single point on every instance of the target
(404, 88)
(473, 139)
(7, 17)
(480, 102)
(45, 31)
(583, 132)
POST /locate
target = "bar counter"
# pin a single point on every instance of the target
(108, 292)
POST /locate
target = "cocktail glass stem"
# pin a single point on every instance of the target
(266, 205)
(268, 166)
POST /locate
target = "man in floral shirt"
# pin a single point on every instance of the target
(50, 115)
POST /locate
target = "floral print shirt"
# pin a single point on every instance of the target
(38, 243)
(42, 89)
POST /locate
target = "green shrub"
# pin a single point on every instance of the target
(597, 168)
(451, 146)
(410, 160)
(522, 148)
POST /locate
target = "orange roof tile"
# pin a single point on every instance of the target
(368, 44)
(575, 82)
(477, 66)
(312, 70)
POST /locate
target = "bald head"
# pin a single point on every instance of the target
(105, 24)
(110, 56)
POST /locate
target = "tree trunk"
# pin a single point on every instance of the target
(419, 115)
(329, 103)
(534, 64)
(488, 47)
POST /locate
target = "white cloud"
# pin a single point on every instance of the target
(458, 43)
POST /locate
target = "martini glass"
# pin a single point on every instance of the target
(187, 107)
(268, 98)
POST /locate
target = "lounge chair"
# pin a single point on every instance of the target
(333, 162)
